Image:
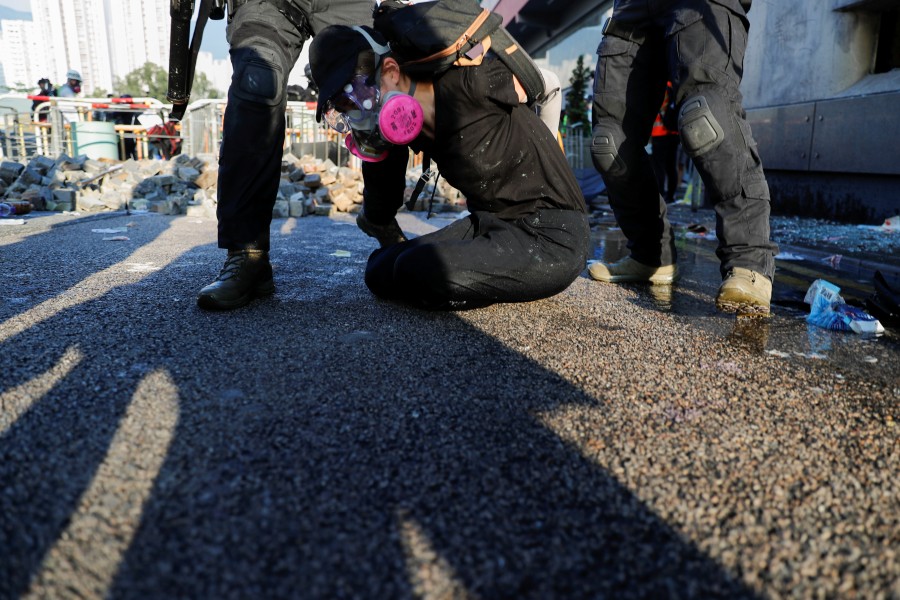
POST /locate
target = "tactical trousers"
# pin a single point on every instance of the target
(699, 45)
(482, 259)
(264, 45)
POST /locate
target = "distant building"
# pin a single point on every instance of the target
(217, 71)
(102, 39)
(75, 36)
(24, 60)
(138, 33)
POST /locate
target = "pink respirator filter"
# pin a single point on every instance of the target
(400, 119)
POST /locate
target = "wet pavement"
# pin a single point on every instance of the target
(616, 441)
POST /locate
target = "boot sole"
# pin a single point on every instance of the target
(212, 303)
(743, 308)
(667, 280)
(655, 279)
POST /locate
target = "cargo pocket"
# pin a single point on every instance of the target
(757, 189)
(613, 53)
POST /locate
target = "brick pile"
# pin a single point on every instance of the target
(187, 185)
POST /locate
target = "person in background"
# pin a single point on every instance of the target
(664, 146)
(699, 46)
(45, 90)
(265, 39)
(126, 117)
(72, 87)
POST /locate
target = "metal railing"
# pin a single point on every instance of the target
(576, 145)
(201, 132)
(48, 130)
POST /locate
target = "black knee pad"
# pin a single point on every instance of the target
(605, 152)
(699, 128)
(259, 74)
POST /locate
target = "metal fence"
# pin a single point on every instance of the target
(50, 129)
(577, 145)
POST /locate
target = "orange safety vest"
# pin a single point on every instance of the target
(659, 127)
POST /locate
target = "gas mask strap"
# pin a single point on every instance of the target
(380, 49)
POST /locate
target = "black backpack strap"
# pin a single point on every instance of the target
(426, 176)
(520, 63)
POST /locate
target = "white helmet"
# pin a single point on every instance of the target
(73, 74)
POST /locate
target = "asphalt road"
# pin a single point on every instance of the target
(610, 442)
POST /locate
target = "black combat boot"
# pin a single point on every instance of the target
(246, 275)
(387, 235)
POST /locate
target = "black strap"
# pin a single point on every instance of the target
(294, 15)
(426, 176)
(179, 103)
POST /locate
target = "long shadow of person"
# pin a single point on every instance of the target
(319, 444)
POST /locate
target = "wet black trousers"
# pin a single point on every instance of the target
(481, 259)
(264, 45)
(699, 45)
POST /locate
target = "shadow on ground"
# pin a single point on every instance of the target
(286, 451)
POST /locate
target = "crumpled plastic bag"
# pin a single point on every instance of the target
(829, 311)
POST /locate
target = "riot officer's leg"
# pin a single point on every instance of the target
(708, 59)
(628, 90)
(264, 46)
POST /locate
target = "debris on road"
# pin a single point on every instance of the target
(829, 311)
(833, 261)
(789, 256)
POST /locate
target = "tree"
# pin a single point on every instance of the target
(577, 96)
(203, 87)
(153, 81)
(20, 87)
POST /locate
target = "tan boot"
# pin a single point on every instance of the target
(629, 269)
(745, 292)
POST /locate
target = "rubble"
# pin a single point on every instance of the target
(187, 185)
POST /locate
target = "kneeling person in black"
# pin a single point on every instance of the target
(527, 235)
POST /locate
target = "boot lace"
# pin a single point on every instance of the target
(232, 266)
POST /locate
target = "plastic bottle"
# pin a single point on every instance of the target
(829, 310)
(14, 207)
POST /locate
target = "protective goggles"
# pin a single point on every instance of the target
(355, 107)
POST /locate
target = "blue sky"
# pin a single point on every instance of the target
(17, 4)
